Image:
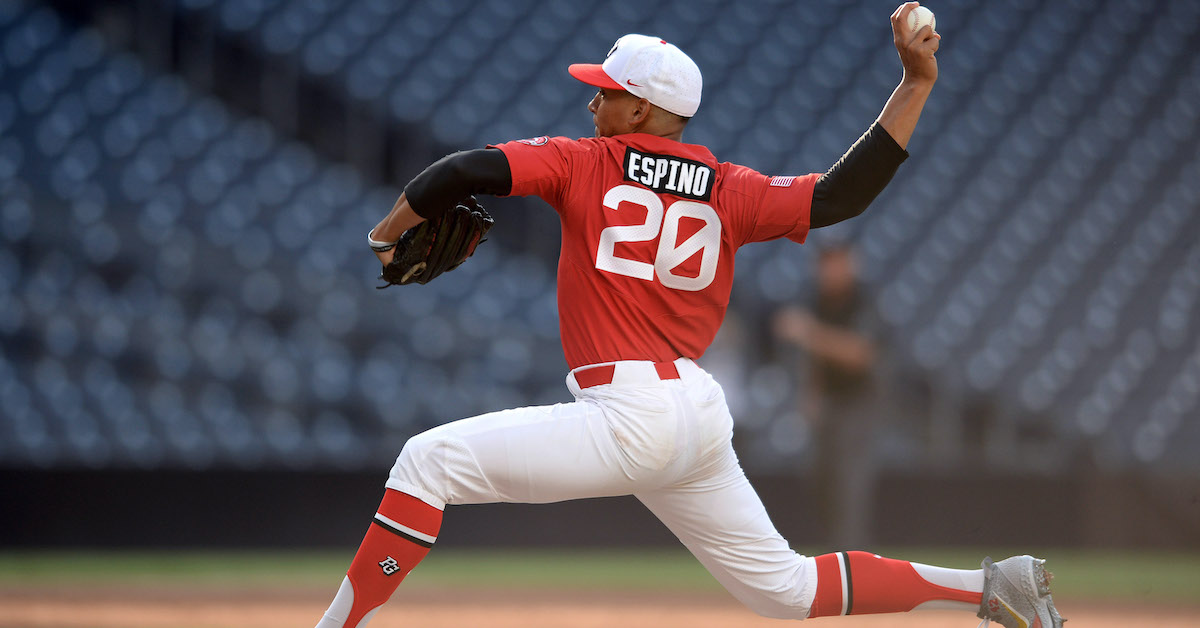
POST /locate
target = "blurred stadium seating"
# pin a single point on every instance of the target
(183, 284)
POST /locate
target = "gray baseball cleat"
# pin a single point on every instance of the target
(1016, 594)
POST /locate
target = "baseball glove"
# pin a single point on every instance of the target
(438, 245)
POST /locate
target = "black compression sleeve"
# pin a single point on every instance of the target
(453, 177)
(857, 178)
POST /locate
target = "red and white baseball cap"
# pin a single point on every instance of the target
(650, 68)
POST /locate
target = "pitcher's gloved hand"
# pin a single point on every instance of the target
(439, 245)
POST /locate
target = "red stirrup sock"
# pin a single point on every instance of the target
(402, 533)
(860, 583)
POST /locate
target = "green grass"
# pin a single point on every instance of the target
(198, 567)
(570, 569)
(1114, 575)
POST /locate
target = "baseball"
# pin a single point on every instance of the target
(919, 17)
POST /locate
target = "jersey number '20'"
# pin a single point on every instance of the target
(670, 255)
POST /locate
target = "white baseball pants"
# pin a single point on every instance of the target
(667, 442)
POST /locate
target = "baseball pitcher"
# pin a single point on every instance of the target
(650, 226)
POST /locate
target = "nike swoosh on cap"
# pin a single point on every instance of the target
(633, 84)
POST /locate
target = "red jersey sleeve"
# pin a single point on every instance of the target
(540, 166)
(776, 207)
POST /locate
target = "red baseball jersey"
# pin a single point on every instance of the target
(650, 227)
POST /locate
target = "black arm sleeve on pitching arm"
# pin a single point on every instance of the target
(456, 176)
(857, 178)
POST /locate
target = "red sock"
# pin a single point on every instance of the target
(860, 583)
(402, 533)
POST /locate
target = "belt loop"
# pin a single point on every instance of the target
(666, 370)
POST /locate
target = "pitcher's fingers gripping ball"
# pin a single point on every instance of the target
(916, 41)
(438, 245)
(921, 17)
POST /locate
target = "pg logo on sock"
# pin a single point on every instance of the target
(389, 566)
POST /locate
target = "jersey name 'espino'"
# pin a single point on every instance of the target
(669, 174)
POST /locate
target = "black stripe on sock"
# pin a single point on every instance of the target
(849, 584)
(402, 534)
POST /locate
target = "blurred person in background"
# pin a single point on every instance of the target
(838, 392)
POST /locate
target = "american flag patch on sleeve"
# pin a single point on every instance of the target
(782, 182)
